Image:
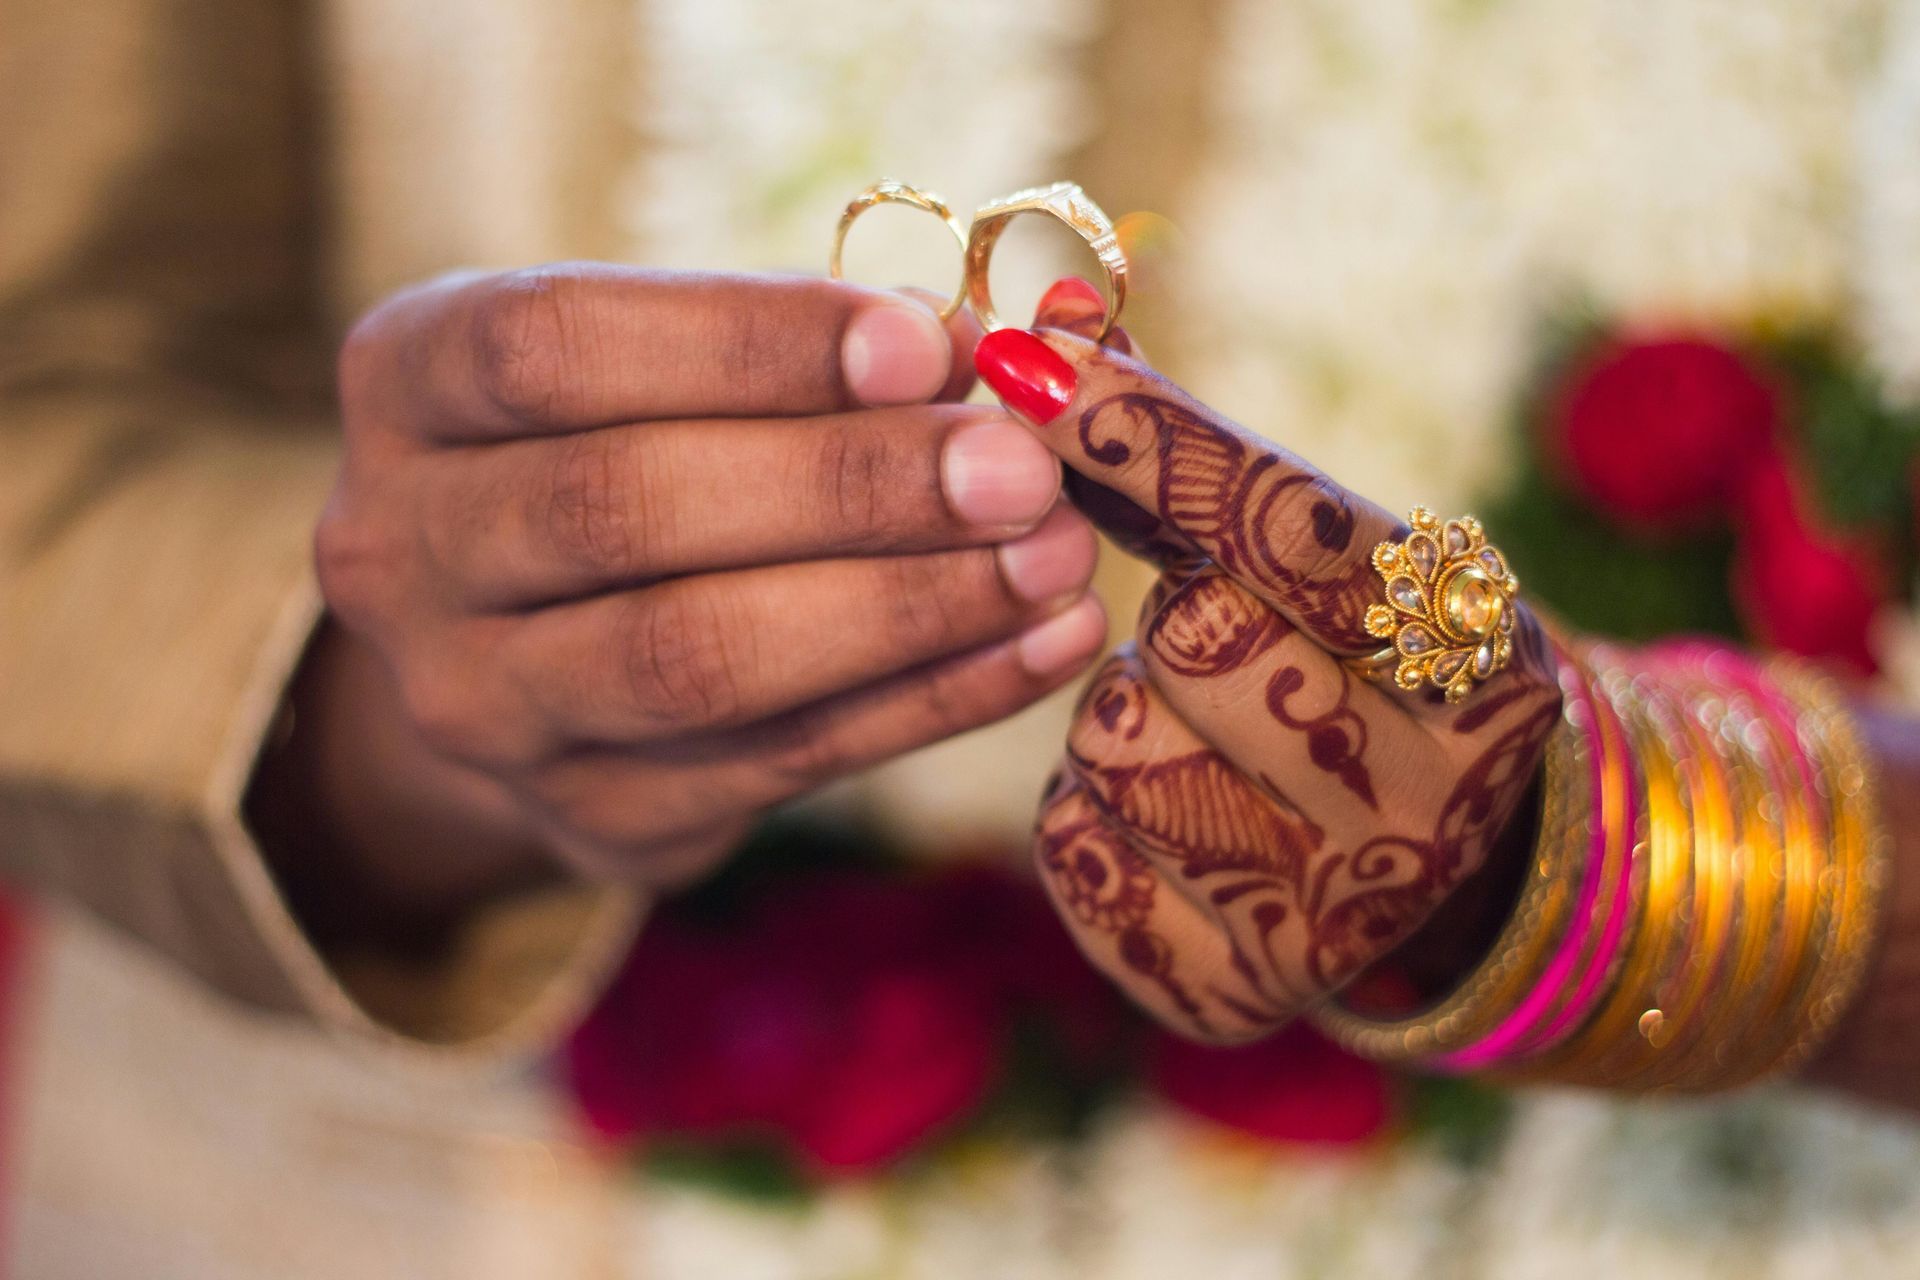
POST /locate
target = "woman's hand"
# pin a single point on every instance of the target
(1242, 823)
(620, 558)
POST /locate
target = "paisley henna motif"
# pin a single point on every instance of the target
(1203, 814)
(1208, 626)
(1219, 490)
(1362, 906)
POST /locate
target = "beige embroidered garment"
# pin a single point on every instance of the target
(165, 443)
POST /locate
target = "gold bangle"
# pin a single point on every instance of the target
(1714, 909)
(1857, 869)
(1782, 881)
(1665, 885)
(1761, 899)
(1751, 763)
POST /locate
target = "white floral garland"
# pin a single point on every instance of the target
(1397, 191)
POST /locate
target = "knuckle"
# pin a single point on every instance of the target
(587, 509)
(761, 345)
(361, 357)
(1310, 527)
(851, 481)
(350, 561)
(929, 603)
(676, 665)
(525, 330)
(445, 715)
(454, 719)
(803, 753)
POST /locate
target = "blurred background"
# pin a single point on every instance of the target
(1437, 248)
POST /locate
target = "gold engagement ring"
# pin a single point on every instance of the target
(888, 191)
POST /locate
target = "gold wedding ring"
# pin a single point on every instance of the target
(1067, 203)
(1448, 616)
(890, 191)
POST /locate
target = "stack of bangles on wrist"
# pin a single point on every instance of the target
(1702, 897)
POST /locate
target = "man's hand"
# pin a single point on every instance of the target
(620, 558)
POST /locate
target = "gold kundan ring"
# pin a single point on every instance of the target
(1068, 204)
(889, 191)
(1448, 617)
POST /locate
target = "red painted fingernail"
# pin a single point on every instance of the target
(1026, 373)
(1069, 289)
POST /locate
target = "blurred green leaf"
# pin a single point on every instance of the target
(746, 1170)
(1468, 1122)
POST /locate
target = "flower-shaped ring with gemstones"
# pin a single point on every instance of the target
(1448, 618)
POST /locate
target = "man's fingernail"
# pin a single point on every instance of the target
(1065, 641)
(1052, 561)
(1070, 290)
(1026, 373)
(895, 353)
(996, 473)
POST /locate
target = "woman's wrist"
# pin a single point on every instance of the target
(1466, 924)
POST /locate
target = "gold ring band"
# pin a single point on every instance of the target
(1066, 203)
(890, 191)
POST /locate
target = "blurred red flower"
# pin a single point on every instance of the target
(850, 1017)
(1656, 432)
(1296, 1086)
(1801, 587)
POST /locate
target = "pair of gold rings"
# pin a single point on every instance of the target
(1065, 202)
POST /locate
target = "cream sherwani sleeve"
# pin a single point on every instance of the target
(164, 446)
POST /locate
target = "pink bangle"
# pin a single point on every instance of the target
(1520, 1031)
(1620, 830)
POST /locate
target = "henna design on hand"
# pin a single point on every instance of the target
(1303, 890)
(1202, 813)
(1207, 626)
(1300, 914)
(1212, 484)
(1336, 738)
(1106, 885)
(1364, 905)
